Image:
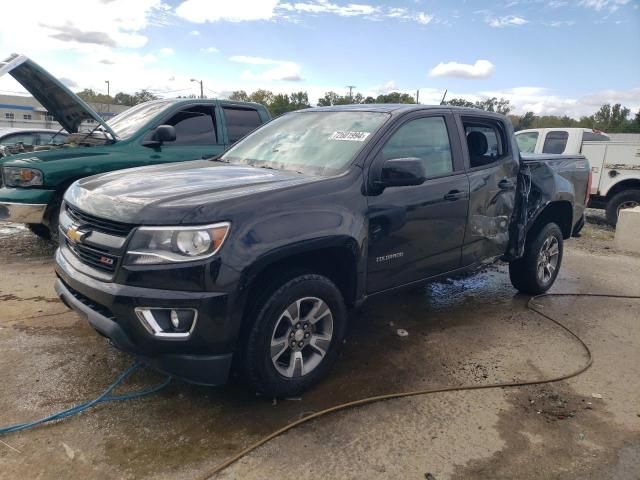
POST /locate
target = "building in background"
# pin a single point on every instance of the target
(25, 112)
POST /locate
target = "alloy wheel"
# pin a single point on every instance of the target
(548, 258)
(301, 337)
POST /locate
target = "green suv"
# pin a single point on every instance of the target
(161, 131)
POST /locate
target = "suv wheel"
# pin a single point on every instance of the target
(537, 270)
(295, 337)
(624, 199)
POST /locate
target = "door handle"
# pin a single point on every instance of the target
(454, 195)
(506, 184)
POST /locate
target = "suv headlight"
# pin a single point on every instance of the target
(21, 177)
(161, 245)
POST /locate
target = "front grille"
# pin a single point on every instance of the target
(94, 257)
(98, 224)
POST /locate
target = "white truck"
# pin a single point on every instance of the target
(615, 166)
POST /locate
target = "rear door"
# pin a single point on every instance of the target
(492, 166)
(416, 232)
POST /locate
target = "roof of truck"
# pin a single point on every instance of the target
(206, 100)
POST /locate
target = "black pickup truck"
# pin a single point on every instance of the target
(254, 258)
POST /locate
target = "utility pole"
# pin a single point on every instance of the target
(443, 97)
(418, 96)
(108, 86)
(351, 87)
(201, 88)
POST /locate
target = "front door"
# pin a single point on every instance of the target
(197, 136)
(416, 232)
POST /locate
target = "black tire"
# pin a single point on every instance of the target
(525, 273)
(629, 197)
(577, 229)
(40, 230)
(48, 231)
(259, 367)
(54, 224)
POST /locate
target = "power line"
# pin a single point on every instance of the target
(169, 91)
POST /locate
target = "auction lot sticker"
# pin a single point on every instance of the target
(349, 136)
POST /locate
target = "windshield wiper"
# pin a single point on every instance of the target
(216, 158)
(98, 127)
(57, 133)
(280, 169)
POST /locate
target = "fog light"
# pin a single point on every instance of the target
(168, 322)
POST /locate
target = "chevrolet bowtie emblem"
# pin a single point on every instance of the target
(76, 235)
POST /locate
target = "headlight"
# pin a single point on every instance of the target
(158, 245)
(21, 177)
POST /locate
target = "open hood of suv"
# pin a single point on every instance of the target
(65, 106)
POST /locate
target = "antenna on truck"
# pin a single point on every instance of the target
(443, 97)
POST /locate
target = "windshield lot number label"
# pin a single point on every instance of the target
(349, 136)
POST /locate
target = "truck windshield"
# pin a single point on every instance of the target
(129, 122)
(316, 143)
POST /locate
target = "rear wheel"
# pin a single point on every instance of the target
(295, 337)
(622, 200)
(537, 270)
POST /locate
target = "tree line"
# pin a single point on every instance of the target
(608, 118)
(121, 98)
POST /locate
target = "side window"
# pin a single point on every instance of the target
(485, 141)
(527, 141)
(424, 138)
(555, 142)
(23, 138)
(240, 121)
(194, 126)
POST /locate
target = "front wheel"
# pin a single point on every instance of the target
(537, 270)
(295, 337)
(48, 232)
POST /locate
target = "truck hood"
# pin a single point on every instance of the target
(67, 108)
(165, 194)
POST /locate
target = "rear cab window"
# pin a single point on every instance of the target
(527, 141)
(240, 121)
(486, 141)
(555, 142)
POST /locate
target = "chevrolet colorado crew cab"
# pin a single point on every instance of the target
(160, 131)
(253, 259)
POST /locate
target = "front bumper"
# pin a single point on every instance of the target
(204, 358)
(22, 212)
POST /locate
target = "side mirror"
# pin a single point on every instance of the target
(402, 172)
(161, 134)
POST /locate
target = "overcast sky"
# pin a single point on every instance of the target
(549, 56)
